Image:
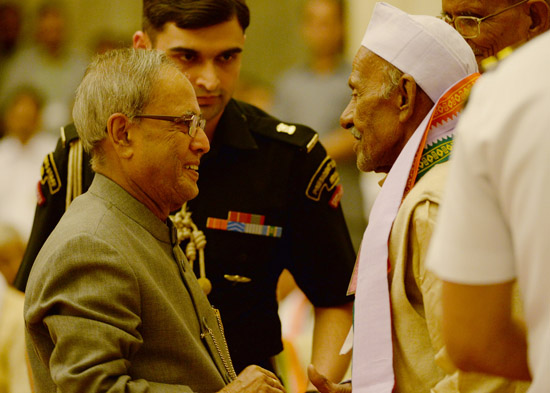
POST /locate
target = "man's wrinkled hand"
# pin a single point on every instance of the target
(255, 379)
(323, 384)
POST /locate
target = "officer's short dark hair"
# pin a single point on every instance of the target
(192, 14)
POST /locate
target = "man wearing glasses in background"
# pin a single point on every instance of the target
(492, 25)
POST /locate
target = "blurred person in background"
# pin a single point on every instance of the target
(315, 93)
(49, 65)
(22, 149)
(14, 377)
(10, 32)
(12, 248)
(10, 28)
(253, 90)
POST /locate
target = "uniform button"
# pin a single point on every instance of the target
(236, 278)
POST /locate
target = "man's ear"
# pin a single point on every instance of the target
(539, 11)
(119, 134)
(406, 97)
(141, 40)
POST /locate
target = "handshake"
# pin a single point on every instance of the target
(257, 379)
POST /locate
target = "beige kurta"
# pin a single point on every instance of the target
(420, 361)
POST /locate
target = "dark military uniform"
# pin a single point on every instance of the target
(52, 192)
(287, 188)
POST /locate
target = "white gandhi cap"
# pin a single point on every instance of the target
(423, 46)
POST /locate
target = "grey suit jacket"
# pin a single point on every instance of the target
(112, 305)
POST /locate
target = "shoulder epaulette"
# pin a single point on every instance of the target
(260, 122)
(68, 134)
(297, 135)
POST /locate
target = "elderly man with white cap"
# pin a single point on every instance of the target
(409, 81)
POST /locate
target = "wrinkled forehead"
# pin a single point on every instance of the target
(173, 92)
(473, 7)
(367, 66)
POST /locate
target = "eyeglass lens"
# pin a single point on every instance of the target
(467, 27)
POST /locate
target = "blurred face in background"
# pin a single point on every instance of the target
(322, 27)
(51, 29)
(10, 26)
(22, 117)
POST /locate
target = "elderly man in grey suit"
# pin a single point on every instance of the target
(112, 303)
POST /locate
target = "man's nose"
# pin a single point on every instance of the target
(207, 77)
(200, 142)
(346, 118)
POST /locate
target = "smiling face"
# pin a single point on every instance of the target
(166, 159)
(211, 58)
(496, 33)
(372, 118)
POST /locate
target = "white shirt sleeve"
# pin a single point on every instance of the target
(489, 192)
(471, 243)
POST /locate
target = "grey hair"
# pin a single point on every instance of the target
(118, 81)
(393, 75)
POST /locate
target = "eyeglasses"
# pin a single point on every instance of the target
(192, 121)
(468, 26)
